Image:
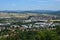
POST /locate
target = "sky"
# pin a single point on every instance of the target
(29, 4)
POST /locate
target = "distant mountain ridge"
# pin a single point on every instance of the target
(33, 11)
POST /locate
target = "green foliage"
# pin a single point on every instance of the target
(32, 35)
(58, 29)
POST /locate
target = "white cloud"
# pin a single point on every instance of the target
(13, 4)
(57, 0)
(38, 0)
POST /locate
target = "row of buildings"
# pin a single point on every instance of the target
(39, 22)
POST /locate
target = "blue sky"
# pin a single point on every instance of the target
(29, 4)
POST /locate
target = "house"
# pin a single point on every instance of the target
(42, 24)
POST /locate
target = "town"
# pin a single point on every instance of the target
(29, 26)
(28, 21)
